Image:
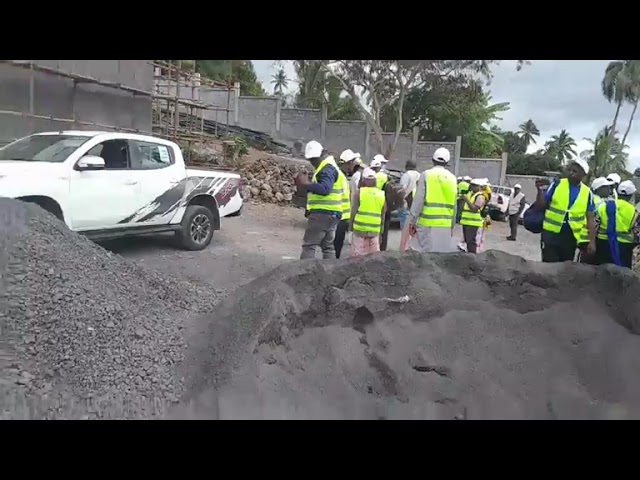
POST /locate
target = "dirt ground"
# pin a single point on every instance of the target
(263, 237)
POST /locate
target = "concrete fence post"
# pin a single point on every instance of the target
(503, 168)
(236, 103)
(414, 143)
(456, 165)
(367, 142)
(323, 122)
(278, 113)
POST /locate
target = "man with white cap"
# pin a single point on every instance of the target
(433, 211)
(472, 219)
(569, 210)
(324, 202)
(367, 213)
(618, 218)
(615, 180)
(516, 206)
(376, 165)
(601, 188)
(347, 164)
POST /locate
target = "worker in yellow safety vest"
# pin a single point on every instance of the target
(324, 202)
(367, 213)
(348, 166)
(376, 165)
(463, 189)
(615, 238)
(472, 219)
(569, 209)
(431, 218)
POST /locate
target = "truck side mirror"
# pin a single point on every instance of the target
(90, 162)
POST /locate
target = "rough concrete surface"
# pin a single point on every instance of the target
(491, 336)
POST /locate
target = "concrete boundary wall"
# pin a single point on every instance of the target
(291, 125)
(61, 99)
(494, 169)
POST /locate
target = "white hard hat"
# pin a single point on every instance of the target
(614, 177)
(459, 178)
(375, 163)
(356, 155)
(517, 185)
(626, 188)
(582, 164)
(600, 182)
(313, 149)
(368, 173)
(347, 155)
(380, 158)
(441, 155)
(481, 182)
(466, 178)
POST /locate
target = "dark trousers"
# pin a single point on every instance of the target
(558, 247)
(603, 253)
(513, 224)
(320, 232)
(469, 234)
(384, 237)
(341, 232)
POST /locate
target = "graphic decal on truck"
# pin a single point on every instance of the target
(223, 189)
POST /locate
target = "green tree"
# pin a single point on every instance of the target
(383, 84)
(606, 155)
(532, 163)
(233, 71)
(615, 88)
(514, 143)
(528, 132)
(279, 81)
(316, 88)
(561, 146)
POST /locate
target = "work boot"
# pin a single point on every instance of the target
(511, 239)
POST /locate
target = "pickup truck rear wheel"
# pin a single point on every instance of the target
(197, 227)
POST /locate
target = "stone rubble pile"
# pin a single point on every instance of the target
(271, 181)
(83, 332)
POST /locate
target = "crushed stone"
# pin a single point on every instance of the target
(84, 333)
(481, 337)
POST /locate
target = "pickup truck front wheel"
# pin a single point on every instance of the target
(197, 227)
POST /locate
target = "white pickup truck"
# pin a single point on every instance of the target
(109, 184)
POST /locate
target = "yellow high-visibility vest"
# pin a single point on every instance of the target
(597, 201)
(346, 195)
(381, 179)
(331, 202)
(625, 215)
(368, 218)
(463, 188)
(469, 218)
(559, 208)
(440, 201)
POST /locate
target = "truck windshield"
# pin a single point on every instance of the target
(42, 148)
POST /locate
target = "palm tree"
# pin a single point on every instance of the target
(632, 74)
(528, 131)
(279, 81)
(606, 154)
(615, 87)
(561, 146)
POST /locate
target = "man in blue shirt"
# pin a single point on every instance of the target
(561, 246)
(321, 223)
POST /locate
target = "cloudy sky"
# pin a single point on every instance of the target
(556, 94)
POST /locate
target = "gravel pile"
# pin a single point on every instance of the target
(83, 332)
(451, 336)
(272, 181)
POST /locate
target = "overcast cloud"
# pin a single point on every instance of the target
(556, 94)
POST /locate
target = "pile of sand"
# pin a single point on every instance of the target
(487, 336)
